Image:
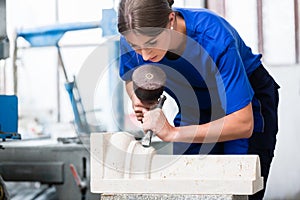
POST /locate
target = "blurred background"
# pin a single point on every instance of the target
(80, 35)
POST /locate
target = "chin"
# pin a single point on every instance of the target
(157, 59)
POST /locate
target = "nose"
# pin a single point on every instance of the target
(145, 53)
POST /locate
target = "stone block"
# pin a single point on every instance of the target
(121, 165)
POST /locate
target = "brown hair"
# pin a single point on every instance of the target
(144, 16)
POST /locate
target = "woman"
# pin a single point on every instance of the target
(227, 100)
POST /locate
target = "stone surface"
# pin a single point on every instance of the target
(120, 164)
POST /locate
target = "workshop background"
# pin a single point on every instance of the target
(270, 27)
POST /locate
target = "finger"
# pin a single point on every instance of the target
(139, 117)
(140, 109)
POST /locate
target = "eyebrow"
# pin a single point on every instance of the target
(151, 40)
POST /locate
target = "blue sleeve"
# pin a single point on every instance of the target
(234, 80)
(128, 60)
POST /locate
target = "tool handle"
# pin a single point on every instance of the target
(146, 141)
(161, 101)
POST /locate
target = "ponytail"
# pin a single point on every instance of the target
(171, 2)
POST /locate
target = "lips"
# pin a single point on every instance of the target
(153, 58)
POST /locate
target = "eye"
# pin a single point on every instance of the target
(152, 43)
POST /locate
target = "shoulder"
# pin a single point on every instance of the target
(208, 28)
(200, 19)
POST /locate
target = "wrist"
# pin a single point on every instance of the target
(175, 134)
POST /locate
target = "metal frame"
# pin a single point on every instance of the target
(4, 42)
(296, 19)
(50, 36)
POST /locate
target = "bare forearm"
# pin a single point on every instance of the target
(235, 126)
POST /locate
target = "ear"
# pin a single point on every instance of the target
(172, 18)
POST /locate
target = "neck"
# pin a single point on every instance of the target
(180, 24)
(179, 36)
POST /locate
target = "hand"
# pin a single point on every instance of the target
(140, 107)
(156, 121)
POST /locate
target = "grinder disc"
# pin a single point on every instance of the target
(148, 82)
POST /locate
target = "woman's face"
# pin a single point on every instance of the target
(150, 48)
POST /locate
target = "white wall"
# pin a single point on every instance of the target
(284, 179)
(279, 39)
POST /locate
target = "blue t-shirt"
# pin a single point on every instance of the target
(210, 79)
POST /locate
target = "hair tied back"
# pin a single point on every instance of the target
(171, 2)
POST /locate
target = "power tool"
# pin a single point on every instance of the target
(148, 84)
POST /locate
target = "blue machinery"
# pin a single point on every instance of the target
(50, 36)
(8, 103)
(9, 117)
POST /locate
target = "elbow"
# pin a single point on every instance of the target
(247, 129)
(248, 133)
(244, 129)
(243, 122)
